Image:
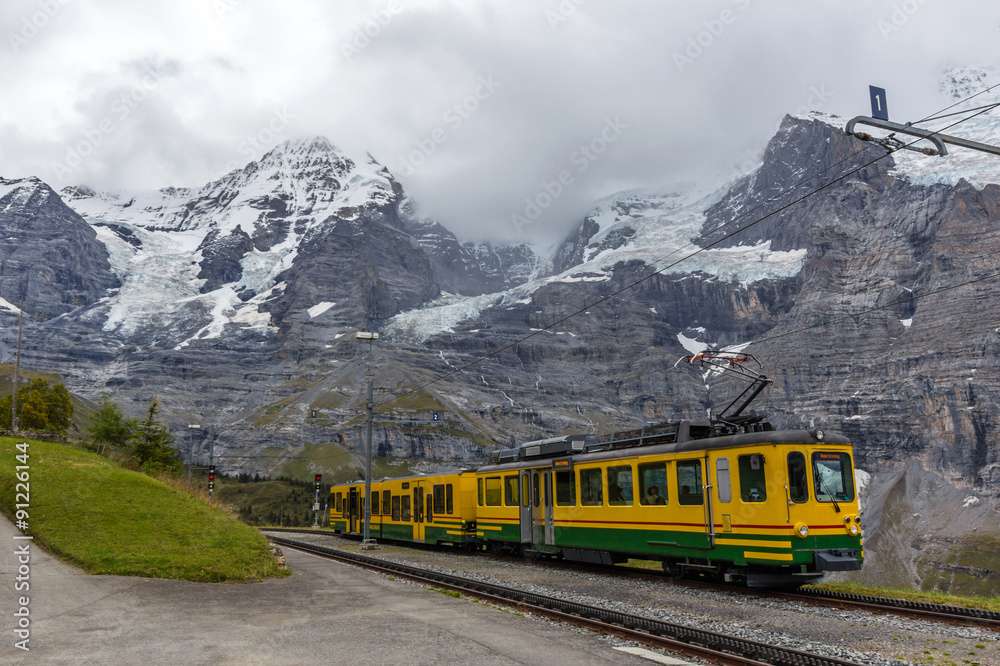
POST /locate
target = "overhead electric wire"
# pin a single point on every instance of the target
(826, 322)
(719, 240)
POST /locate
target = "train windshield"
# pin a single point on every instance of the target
(833, 476)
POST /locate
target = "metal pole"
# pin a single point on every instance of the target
(211, 449)
(17, 369)
(368, 449)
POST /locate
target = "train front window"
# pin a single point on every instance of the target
(798, 486)
(833, 477)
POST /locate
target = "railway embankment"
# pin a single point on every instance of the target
(91, 512)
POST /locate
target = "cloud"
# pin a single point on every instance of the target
(497, 101)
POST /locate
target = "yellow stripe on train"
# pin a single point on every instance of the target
(750, 555)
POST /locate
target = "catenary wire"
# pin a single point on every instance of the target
(719, 240)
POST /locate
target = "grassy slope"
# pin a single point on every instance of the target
(108, 520)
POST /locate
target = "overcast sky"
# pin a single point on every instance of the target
(477, 107)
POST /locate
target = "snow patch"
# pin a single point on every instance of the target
(9, 306)
(861, 481)
(906, 322)
(971, 500)
(693, 346)
(319, 309)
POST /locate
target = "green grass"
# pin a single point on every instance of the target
(91, 512)
(989, 603)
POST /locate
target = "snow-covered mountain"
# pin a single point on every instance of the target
(867, 294)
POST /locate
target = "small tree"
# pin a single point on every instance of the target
(110, 427)
(40, 407)
(152, 444)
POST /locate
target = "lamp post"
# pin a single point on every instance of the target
(366, 541)
(192, 428)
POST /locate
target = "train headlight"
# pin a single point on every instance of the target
(801, 530)
(853, 529)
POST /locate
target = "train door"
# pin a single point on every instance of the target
(537, 508)
(353, 512)
(548, 498)
(796, 488)
(418, 511)
(693, 510)
(526, 506)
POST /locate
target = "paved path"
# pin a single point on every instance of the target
(325, 613)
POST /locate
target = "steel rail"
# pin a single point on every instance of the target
(959, 615)
(693, 642)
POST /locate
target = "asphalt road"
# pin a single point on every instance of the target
(325, 613)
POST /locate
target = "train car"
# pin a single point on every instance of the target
(742, 503)
(433, 509)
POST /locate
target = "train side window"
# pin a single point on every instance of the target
(449, 499)
(430, 509)
(340, 503)
(752, 479)
(653, 483)
(537, 494)
(386, 501)
(510, 495)
(798, 485)
(565, 488)
(439, 498)
(723, 481)
(404, 513)
(374, 502)
(689, 484)
(620, 485)
(395, 507)
(590, 487)
(493, 494)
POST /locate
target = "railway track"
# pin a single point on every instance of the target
(958, 615)
(703, 644)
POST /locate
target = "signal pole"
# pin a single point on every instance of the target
(366, 540)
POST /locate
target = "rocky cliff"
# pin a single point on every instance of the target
(866, 292)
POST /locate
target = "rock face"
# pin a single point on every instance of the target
(49, 255)
(864, 292)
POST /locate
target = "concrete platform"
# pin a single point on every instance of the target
(325, 613)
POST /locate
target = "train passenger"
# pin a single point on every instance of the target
(653, 496)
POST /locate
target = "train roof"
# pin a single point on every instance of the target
(681, 436)
(671, 437)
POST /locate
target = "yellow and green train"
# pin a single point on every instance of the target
(753, 505)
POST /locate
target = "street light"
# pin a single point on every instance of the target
(366, 541)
